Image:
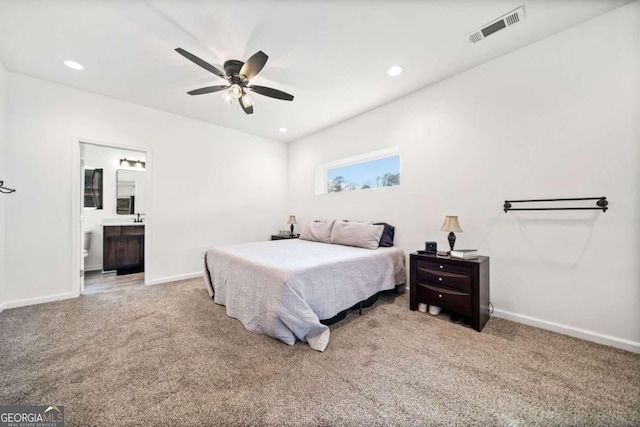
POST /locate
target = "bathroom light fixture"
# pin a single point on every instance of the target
(396, 70)
(283, 130)
(73, 64)
(132, 163)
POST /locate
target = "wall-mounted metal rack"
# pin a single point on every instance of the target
(5, 190)
(601, 204)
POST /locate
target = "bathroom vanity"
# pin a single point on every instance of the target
(123, 248)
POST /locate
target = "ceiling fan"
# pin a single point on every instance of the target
(237, 74)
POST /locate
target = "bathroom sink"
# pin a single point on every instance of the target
(119, 222)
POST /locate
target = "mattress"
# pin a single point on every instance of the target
(283, 288)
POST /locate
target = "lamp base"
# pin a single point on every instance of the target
(452, 241)
(292, 229)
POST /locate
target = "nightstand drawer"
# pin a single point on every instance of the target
(443, 266)
(444, 278)
(447, 297)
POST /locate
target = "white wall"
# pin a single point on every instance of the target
(558, 118)
(210, 185)
(3, 175)
(108, 159)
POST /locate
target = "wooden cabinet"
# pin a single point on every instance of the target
(457, 285)
(123, 249)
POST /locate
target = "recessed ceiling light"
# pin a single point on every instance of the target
(395, 70)
(73, 64)
(283, 130)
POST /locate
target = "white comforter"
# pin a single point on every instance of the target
(283, 288)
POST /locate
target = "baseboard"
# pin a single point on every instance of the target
(175, 278)
(39, 300)
(93, 267)
(584, 334)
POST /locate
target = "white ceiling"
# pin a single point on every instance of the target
(332, 55)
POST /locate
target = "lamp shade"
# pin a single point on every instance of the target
(451, 224)
(292, 219)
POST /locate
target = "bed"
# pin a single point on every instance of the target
(285, 288)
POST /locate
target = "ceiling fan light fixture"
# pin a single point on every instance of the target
(247, 100)
(237, 75)
(396, 70)
(235, 91)
(227, 98)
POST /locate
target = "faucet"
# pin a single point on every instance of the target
(138, 219)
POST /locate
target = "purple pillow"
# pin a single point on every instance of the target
(386, 240)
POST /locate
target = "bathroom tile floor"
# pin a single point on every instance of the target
(97, 281)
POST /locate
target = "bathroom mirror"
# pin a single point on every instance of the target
(130, 192)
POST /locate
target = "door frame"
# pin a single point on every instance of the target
(77, 252)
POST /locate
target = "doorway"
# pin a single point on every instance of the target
(112, 214)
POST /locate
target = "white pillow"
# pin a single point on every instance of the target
(317, 231)
(357, 234)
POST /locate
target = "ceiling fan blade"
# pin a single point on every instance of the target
(204, 64)
(208, 90)
(248, 110)
(272, 93)
(254, 65)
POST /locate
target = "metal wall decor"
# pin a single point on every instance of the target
(5, 190)
(601, 204)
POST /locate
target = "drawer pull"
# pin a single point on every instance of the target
(441, 266)
(439, 295)
(440, 279)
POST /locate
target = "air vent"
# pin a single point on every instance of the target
(475, 37)
(512, 19)
(505, 21)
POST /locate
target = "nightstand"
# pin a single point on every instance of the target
(458, 285)
(284, 236)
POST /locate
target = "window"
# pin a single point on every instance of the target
(370, 170)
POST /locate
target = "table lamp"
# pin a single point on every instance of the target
(292, 221)
(451, 225)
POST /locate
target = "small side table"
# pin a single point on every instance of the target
(457, 285)
(284, 236)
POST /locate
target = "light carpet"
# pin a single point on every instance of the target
(168, 355)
